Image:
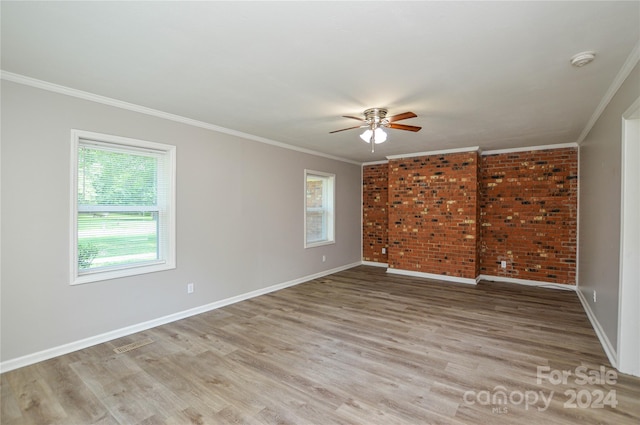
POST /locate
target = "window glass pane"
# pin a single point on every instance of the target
(116, 238)
(316, 222)
(316, 227)
(115, 178)
(319, 205)
(118, 218)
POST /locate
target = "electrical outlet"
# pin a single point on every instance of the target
(503, 264)
(324, 258)
(595, 298)
(190, 288)
(384, 250)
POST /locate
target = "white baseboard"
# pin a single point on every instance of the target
(119, 333)
(374, 264)
(527, 282)
(604, 340)
(433, 276)
(595, 324)
(60, 350)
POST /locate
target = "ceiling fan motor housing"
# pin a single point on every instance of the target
(375, 115)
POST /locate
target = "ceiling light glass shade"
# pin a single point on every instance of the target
(366, 136)
(381, 136)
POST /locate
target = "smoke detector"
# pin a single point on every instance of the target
(582, 59)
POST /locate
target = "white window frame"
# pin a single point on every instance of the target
(329, 198)
(167, 208)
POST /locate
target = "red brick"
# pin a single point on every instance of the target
(461, 214)
(538, 190)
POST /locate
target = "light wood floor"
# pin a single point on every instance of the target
(356, 347)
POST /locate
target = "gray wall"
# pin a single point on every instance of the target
(599, 228)
(239, 221)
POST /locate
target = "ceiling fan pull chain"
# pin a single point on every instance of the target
(373, 139)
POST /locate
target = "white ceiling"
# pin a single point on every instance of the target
(488, 74)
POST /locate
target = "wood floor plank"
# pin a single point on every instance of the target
(357, 347)
(10, 411)
(35, 397)
(69, 389)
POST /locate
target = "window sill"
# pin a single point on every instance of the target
(98, 275)
(319, 243)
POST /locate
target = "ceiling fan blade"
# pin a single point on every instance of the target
(353, 118)
(402, 116)
(350, 128)
(404, 127)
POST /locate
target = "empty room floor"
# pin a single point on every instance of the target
(357, 347)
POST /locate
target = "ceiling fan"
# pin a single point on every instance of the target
(375, 119)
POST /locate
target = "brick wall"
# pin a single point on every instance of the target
(433, 214)
(529, 215)
(375, 221)
(461, 214)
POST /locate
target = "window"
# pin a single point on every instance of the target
(319, 211)
(123, 194)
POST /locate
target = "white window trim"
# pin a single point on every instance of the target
(331, 239)
(169, 262)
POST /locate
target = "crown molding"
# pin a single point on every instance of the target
(56, 88)
(627, 67)
(381, 162)
(530, 148)
(438, 152)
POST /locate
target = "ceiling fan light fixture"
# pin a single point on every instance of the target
(379, 136)
(366, 136)
(375, 119)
